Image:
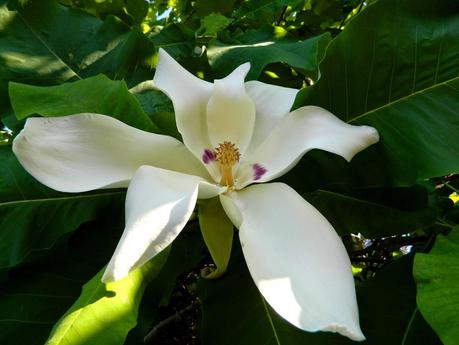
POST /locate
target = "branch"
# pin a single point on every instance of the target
(164, 323)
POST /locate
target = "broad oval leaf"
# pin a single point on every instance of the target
(33, 225)
(16, 183)
(395, 67)
(97, 94)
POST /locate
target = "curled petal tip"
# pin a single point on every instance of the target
(245, 67)
(353, 334)
(373, 135)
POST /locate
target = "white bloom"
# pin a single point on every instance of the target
(235, 135)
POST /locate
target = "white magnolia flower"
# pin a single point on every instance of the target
(236, 134)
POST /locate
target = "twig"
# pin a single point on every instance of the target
(369, 260)
(175, 317)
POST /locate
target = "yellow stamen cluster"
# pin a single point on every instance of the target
(227, 155)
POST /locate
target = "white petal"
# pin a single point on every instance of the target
(230, 111)
(302, 130)
(272, 103)
(189, 96)
(83, 152)
(158, 205)
(296, 259)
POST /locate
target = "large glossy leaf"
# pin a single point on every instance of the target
(105, 313)
(36, 224)
(395, 67)
(36, 295)
(234, 312)
(262, 48)
(44, 43)
(16, 183)
(92, 95)
(437, 278)
(418, 134)
(350, 214)
(33, 217)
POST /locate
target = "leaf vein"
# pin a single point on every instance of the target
(47, 46)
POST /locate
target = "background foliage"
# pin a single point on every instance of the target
(391, 64)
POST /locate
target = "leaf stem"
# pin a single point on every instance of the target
(443, 223)
(454, 189)
(407, 331)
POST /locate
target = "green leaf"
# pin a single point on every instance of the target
(16, 183)
(105, 313)
(395, 67)
(206, 7)
(235, 312)
(262, 49)
(212, 24)
(45, 43)
(96, 7)
(160, 109)
(262, 11)
(437, 278)
(37, 294)
(92, 95)
(418, 135)
(35, 298)
(350, 214)
(176, 39)
(36, 224)
(217, 231)
(33, 217)
(137, 9)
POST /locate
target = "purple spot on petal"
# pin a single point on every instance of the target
(258, 171)
(208, 156)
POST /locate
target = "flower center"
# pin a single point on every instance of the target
(227, 155)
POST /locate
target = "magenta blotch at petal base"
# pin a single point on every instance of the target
(208, 156)
(258, 171)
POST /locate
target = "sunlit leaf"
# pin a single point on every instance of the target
(44, 43)
(104, 313)
(92, 95)
(212, 24)
(437, 278)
